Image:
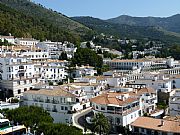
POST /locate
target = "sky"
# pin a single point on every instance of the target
(106, 9)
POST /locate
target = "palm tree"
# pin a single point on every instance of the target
(101, 124)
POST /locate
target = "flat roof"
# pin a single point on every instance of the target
(3, 120)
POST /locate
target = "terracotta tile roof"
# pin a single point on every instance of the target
(155, 124)
(51, 92)
(143, 91)
(111, 98)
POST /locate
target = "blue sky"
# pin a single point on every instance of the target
(105, 9)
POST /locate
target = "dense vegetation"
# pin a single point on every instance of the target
(85, 56)
(58, 129)
(29, 116)
(173, 51)
(101, 124)
(22, 18)
(129, 31)
(40, 120)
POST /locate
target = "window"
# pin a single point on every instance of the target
(102, 108)
(96, 107)
(142, 130)
(18, 82)
(148, 131)
(62, 107)
(19, 91)
(136, 130)
(30, 81)
(66, 108)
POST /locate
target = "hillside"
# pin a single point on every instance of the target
(171, 23)
(130, 31)
(24, 18)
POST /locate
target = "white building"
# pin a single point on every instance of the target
(56, 48)
(60, 103)
(152, 126)
(123, 105)
(17, 74)
(158, 82)
(148, 63)
(119, 108)
(174, 102)
(82, 71)
(51, 47)
(90, 89)
(26, 41)
(54, 71)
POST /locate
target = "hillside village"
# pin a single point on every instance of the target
(139, 93)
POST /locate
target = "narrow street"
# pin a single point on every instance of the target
(79, 119)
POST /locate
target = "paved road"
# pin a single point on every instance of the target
(79, 119)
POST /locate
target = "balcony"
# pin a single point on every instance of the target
(54, 110)
(19, 63)
(47, 101)
(41, 100)
(114, 112)
(21, 71)
(55, 102)
(35, 100)
(26, 77)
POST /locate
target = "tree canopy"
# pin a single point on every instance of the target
(84, 56)
(39, 120)
(29, 115)
(63, 56)
(22, 21)
(58, 129)
(101, 124)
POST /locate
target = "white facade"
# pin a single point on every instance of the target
(59, 103)
(174, 103)
(26, 41)
(51, 47)
(56, 48)
(120, 109)
(158, 84)
(123, 105)
(53, 71)
(17, 75)
(148, 63)
(83, 71)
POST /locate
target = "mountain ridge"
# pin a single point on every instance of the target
(130, 31)
(171, 23)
